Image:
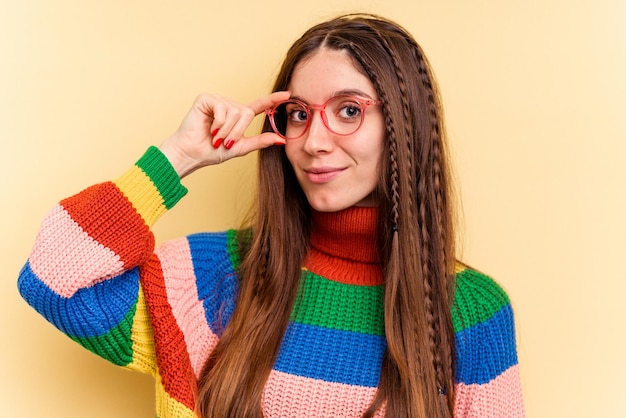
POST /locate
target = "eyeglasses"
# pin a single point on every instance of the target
(341, 115)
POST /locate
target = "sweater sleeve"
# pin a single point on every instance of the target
(487, 370)
(83, 272)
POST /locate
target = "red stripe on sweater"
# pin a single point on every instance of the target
(92, 209)
(171, 351)
(344, 246)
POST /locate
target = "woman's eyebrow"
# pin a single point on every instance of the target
(352, 92)
(344, 92)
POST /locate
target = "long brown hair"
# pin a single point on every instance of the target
(416, 241)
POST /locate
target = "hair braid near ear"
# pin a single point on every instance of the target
(393, 165)
(391, 138)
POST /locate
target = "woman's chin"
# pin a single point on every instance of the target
(336, 203)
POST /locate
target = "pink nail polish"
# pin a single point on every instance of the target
(229, 144)
(214, 132)
(218, 143)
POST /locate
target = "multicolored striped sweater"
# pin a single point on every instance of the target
(95, 275)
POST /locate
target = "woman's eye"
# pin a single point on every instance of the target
(297, 115)
(349, 111)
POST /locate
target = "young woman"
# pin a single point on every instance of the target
(343, 297)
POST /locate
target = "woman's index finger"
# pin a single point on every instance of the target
(260, 105)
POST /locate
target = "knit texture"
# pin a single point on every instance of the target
(95, 275)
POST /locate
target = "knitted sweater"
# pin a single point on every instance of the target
(95, 275)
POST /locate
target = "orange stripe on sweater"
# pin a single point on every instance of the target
(172, 355)
(127, 235)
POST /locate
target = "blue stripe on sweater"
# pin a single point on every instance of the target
(339, 356)
(90, 312)
(487, 349)
(216, 281)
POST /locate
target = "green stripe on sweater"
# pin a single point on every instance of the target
(235, 239)
(116, 345)
(158, 168)
(334, 305)
(477, 299)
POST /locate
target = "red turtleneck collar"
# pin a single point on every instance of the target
(344, 246)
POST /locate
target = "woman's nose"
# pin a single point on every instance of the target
(318, 138)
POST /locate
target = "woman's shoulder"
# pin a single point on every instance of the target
(486, 350)
(478, 298)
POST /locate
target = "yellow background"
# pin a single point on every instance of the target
(534, 93)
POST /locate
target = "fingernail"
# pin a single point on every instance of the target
(218, 143)
(279, 143)
(229, 144)
(214, 132)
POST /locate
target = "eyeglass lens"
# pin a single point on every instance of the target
(341, 115)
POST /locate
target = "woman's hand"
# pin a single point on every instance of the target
(212, 132)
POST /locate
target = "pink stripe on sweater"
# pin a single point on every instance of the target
(182, 294)
(502, 397)
(66, 258)
(287, 395)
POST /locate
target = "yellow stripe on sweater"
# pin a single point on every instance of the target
(144, 357)
(168, 407)
(142, 193)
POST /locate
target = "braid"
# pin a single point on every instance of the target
(406, 113)
(435, 135)
(439, 214)
(406, 106)
(393, 160)
(392, 138)
(432, 317)
(431, 312)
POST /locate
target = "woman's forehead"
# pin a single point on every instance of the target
(326, 73)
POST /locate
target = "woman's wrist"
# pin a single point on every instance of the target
(180, 161)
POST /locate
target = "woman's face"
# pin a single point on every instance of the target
(334, 171)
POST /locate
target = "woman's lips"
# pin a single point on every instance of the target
(320, 175)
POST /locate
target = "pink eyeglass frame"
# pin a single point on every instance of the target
(364, 103)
